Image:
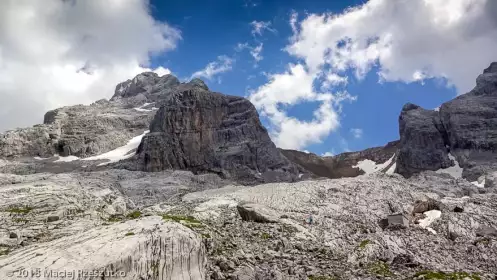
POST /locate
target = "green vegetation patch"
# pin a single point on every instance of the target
(364, 243)
(134, 215)
(20, 221)
(180, 218)
(380, 268)
(265, 235)
(19, 210)
(321, 277)
(4, 252)
(460, 275)
(115, 218)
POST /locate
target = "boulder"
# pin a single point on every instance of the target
(257, 213)
(203, 131)
(421, 206)
(486, 231)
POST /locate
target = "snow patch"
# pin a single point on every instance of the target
(40, 158)
(369, 166)
(430, 217)
(120, 153)
(454, 171)
(300, 175)
(478, 184)
(436, 109)
(142, 108)
(66, 159)
(391, 170)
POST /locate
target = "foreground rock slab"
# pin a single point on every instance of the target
(148, 248)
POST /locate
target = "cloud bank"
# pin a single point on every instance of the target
(55, 53)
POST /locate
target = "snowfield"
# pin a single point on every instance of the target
(369, 166)
(120, 153)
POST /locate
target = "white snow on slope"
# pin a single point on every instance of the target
(369, 166)
(66, 159)
(454, 171)
(120, 153)
(141, 108)
(40, 158)
(431, 216)
(391, 170)
(479, 184)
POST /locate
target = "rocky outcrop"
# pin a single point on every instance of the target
(147, 248)
(256, 213)
(342, 165)
(422, 141)
(203, 131)
(465, 127)
(87, 130)
(148, 84)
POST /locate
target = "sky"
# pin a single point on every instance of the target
(326, 76)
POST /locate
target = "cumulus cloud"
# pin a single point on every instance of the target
(55, 53)
(295, 86)
(258, 27)
(356, 132)
(409, 40)
(221, 65)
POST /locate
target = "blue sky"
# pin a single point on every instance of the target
(326, 76)
(213, 28)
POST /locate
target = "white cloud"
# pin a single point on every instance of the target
(332, 79)
(328, 154)
(356, 132)
(221, 65)
(290, 88)
(55, 53)
(258, 27)
(409, 40)
(256, 53)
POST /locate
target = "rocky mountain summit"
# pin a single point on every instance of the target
(202, 131)
(464, 128)
(169, 180)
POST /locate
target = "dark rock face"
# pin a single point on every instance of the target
(422, 143)
(204, 131)
(341, 165)
(465, 126)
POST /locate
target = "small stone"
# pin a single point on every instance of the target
(53, 218)
(458, 209)
(217, 275)
(12, 235)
